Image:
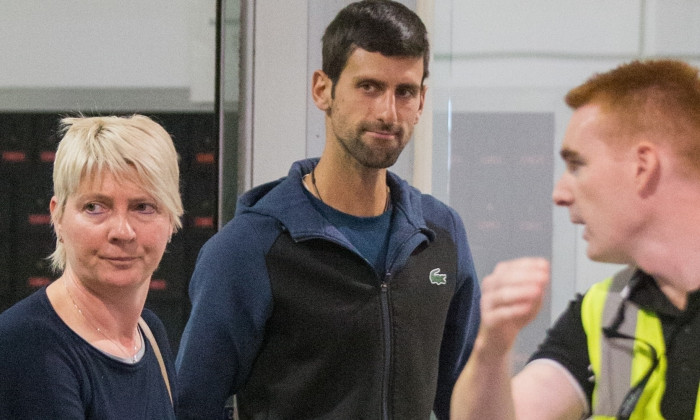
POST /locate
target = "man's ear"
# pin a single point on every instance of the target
(648, 167)
(421, 106)
(321, 86)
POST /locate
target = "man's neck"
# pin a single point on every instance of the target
(670, 241)
(358, 192)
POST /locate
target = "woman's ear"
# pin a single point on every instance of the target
(321, 87)
(54, 217)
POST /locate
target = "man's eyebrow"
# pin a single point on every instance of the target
(412, 86)
(366, 79)
(568, 154)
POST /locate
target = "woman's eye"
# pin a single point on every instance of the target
(94, 208)
(146, 208)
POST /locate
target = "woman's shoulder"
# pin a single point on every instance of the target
(152, 319)
(157, 327)
(30, 330)
(32, 312)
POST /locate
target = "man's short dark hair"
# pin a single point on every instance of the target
(382, 26)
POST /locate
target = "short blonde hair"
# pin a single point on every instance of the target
(133, 148)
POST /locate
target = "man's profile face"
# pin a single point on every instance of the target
(598, 185)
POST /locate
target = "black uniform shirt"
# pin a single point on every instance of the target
(566, 343)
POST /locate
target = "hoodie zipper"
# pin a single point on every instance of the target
(385, 297)
(386, 329)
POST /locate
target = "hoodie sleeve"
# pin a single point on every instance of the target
(231, 301)
(462, 322)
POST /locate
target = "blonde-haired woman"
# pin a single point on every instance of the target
(84, 347)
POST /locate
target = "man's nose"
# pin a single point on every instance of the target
(387, 111)
(561, 194)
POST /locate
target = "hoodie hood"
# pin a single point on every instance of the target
(286, 201)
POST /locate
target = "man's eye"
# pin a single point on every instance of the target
(406, 93)
(572, 165)
(367, 87)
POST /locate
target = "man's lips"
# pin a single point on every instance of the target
(576, 219)
(383, 130)
(382, 134)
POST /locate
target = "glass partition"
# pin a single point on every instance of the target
(500, 72)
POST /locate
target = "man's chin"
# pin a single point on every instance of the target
(605, 257)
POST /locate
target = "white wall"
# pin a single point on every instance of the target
(116, 44)
(280, 88)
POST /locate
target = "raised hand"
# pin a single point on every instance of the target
(511, 298)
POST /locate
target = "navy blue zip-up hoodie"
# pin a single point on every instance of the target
(288, 316)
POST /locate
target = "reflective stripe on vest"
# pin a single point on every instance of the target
(618, 364)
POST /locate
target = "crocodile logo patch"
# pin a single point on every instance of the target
(437, 278)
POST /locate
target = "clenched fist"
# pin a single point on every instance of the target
(511, 298)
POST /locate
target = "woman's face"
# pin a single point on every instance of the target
(114, 233)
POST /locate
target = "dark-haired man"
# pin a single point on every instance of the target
(338, 292)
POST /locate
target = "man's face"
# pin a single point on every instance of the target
(377, 102)
(597, 186)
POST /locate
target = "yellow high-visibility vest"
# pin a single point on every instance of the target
(617, 363)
